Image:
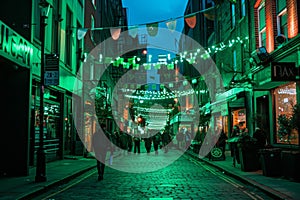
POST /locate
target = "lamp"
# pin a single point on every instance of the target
(260, 55)
(41, 156)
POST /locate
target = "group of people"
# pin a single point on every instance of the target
(105, 141)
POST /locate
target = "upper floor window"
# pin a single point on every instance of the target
(243, 8)
(68, 52)
(262, 25)
(92, 28)
(232, 15)
(282, 17)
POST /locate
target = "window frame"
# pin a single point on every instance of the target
(261, 31)
(233, 15)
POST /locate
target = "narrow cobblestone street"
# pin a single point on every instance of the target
(184, 178)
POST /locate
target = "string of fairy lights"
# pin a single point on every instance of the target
(190, 56)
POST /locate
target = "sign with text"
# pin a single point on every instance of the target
(51, 69)
(284, 71)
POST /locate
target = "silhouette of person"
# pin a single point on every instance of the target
(101, 144)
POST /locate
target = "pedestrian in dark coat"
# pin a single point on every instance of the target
(166, 138)
(101, 143)
(124, 141)
(156, 141)
(148, 142)
(261, 138)
(137, 143)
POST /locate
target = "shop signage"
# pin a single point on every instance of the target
(51, 69)
(284, 71)
(14, 47)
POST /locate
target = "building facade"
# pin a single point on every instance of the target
(21, 75)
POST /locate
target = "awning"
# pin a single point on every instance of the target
(224, 99)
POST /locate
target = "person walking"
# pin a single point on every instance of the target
(148, 143)
(137, 143)
(234, 146)
(123, 142)
(101, 143)
(166, 138)
(129, 142)
(180, 138)
(156, 141)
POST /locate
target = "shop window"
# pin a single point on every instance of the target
(285, 98)
(239, 118)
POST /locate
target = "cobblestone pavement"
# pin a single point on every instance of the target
(185, 178)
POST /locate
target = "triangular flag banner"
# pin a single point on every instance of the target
(115, 33)
(81, 33)
(152, 29)
(210, 14)
(171, 25)
(133, 31)
(191, 21)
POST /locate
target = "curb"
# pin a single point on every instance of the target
(52, 184)
(272, 193)
(44, 189)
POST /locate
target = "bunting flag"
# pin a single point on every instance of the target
(115, 33)
(133, 31)
(152, 29)
(191, 21)
(81, 33)
(210, 14)
(171, 25)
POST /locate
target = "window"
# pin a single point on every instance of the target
(285, 98)
(234, 62)
(232, 15)
(262, 25)
(281, 17)
(243, 8)
(92, 28)
(68, 51)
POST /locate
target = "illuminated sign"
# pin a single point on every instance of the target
(14, 47)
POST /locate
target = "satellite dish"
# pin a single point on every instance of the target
(280, 38)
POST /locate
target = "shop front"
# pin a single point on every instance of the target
(229, 110)
(15, 85)
(274, 97)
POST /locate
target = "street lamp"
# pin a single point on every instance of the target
(41, 156)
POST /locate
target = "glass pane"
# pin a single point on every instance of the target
(285, 98)
(262, 18)
(281, 4)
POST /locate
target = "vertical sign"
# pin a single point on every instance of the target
(51, 69)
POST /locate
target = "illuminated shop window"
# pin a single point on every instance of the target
(285, 98)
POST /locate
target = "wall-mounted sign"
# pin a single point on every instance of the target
(284, 71)
(51, 69)
(14, 47)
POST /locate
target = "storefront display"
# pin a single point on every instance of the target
(285, 99)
